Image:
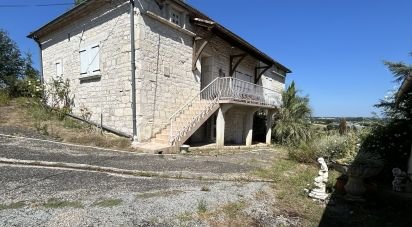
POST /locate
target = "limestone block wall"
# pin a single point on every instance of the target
(234, 125)
(164, 71)
(110, 94)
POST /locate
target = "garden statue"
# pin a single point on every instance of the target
(319, 192)
(398, 180)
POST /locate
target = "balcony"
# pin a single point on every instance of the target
(232, 90)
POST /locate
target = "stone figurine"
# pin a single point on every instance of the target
(319, 191)
(399, 177)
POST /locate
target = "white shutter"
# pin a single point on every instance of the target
(94, 58)
(84, 61)
(59, 69)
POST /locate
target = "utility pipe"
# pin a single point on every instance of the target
(133, 67)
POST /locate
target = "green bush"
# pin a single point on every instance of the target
(4, 98)
(331, 147)
(391, 140)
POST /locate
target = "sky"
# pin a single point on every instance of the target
(334, 48)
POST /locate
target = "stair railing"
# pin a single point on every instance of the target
(205, 99)
(220, 89)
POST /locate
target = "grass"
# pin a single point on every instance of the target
(234, 210)
(201, 206)
(184, 219)
(147, 195)
(108, 203)
(29, 113)
(58, 203)
(291, 178)
(16, 205)
(4, 98)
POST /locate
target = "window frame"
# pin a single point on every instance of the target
(178, 13)
(90, 60)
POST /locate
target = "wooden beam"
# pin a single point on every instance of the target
(233, 65)
(199, 44)
(259, 75)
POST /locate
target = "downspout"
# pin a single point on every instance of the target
(41, 59)
(133, 68)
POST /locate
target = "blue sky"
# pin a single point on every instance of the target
(334, 48)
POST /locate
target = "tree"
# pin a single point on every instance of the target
(77, 2)
(293, 119)
(401, 109)
(14, 67)
(11, 61)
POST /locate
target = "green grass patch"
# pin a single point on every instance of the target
(4, 98)
(201, 206)
(16, 205)
(147, 195)
(58, 203)
(234, 209)
(108, 203)
(291, 178)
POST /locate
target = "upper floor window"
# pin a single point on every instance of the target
(90, 59)
(176, 17)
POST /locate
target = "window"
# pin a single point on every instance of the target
(59, 69)
(90, 60)
(175, 17)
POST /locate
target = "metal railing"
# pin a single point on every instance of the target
(220, 89)
(236, 90)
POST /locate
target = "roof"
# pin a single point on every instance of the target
(405, 88)
(220, 30)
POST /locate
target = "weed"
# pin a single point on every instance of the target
(108, 203)
(4, 98)
(57, 203)
(184, 219)
(147, 195)
(16, 205)
(70, 123)
(201, 206)
(205, 189)
(233, 210)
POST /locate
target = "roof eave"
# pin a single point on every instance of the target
(35, 34)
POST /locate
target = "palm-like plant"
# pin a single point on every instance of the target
(293, 118)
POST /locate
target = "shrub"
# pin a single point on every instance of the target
(392, 141)
(331, 147)
(4, 98)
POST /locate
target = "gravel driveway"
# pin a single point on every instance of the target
(52, 196)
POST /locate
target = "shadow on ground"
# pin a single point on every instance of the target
(382, 207)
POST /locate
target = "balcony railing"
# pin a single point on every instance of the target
(220, 90)
(235, 90)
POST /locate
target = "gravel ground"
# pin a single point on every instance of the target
(17, 148)
(144, 201)
(40, 196)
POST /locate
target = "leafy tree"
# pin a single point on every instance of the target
(293, 119)
(11, 60)
(401, 108)
(14, 67)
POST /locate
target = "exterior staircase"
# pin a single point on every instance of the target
(185, 121)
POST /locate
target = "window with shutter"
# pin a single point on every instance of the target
(94, 59)
(84, 61)
(90, 60)
(59, 69)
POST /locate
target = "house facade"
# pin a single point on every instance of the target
(194, 80)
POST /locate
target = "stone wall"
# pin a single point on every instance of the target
(164, 77)
(111, 93)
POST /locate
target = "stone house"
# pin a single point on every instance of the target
(160, 71)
